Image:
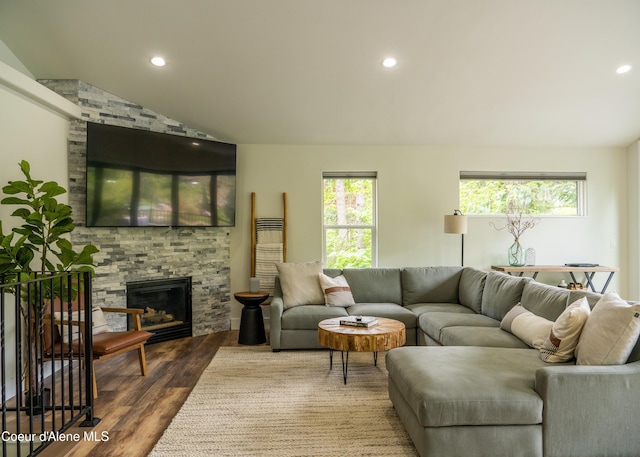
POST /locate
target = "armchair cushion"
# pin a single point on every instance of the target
(108, 342)
(99, 322)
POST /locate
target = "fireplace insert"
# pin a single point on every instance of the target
(166, 304)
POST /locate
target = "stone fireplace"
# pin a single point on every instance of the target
(130, 254)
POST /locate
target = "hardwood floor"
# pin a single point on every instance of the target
(135, 410)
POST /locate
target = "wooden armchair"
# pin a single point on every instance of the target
(105, 345)
(110, 344)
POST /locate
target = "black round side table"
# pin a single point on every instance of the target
(251, 322)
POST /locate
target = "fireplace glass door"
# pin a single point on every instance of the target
(166, 304)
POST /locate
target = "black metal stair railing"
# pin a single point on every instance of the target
(45, 360)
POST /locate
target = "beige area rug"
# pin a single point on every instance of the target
(254, 402)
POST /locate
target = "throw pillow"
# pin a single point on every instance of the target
(99, 322)
(610, 333)
(561, 343)
(300, 283)
(336, 291)
(528, 327)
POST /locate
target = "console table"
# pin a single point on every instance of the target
(589, 272)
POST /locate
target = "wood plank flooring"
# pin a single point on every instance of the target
(135, 410)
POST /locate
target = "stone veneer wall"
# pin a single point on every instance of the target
(144, 253)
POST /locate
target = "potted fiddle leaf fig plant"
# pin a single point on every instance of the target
(38, 246)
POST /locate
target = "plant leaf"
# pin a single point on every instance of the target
(15, 201)
(25, 167)
(51, 189)
(6, 240)
(24, 256)
(15, 187)
(63, 210)
(50, 204)
(21, 212)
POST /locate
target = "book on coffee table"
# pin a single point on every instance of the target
(359, 321)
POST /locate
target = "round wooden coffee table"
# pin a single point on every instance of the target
(385, 335)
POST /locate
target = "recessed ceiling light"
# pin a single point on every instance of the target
(389, 62)
(623, 69)
(158, 61)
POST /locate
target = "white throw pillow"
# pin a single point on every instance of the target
(610, 333)
(531, 329)
(99, 322)
(300, 283)
(336, 291)
(561, 343)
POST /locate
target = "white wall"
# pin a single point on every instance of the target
(633, 172)
(417, 185)
(34, 125)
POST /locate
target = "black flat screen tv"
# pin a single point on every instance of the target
(138, 178)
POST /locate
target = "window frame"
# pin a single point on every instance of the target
(373, 176)
(579, 177)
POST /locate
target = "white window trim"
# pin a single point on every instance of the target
(578, 176)
(374, 227)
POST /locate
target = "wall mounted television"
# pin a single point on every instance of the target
(138, 178)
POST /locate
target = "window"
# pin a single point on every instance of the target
(349, 220)
(536, 193)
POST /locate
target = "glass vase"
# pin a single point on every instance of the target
(515, 254)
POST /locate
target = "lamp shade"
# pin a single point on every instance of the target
(455, 223)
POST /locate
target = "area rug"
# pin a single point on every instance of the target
(254, 402)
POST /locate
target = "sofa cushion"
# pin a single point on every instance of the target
(332, 272)
(471, 287)
(421, 308)
(592, 297)
(480, 336)
(501, 293)
(300, 283)
(308, 317)
(530, 328)
(611, 332)
(635, 353)
(430, 284)
(544, 300)
(433, 323)
(336, 291)
(374, 285)
(561, 343)
(450, 386)
(388, 310)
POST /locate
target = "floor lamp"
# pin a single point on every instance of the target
(456, 223)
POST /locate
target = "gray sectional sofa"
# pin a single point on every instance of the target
(465, 386)
(397, 293)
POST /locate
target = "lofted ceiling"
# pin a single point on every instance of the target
(539, 73)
